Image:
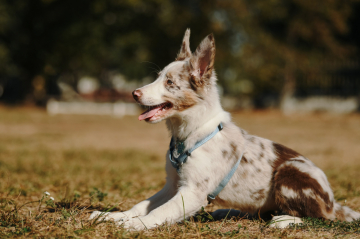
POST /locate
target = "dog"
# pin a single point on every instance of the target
(269, 177)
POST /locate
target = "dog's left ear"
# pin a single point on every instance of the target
(202, 62)
(185, 51)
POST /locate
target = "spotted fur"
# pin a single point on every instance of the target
(270, 177)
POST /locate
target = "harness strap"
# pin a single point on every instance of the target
(224, 182)
(179, 161)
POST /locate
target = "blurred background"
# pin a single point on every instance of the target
(80, 60)
(289, 54)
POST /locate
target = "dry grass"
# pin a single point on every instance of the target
(92, 162)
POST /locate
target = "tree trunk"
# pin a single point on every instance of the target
(288, 90)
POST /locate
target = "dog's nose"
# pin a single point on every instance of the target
(137, 94)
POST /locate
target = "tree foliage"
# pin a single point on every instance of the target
(261, 45)
(284, 38)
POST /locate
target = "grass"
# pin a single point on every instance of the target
(91, 163)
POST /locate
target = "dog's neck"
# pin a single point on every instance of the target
(199, 121)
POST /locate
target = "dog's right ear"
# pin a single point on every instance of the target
(185, 51)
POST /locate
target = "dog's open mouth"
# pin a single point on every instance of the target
(155, 112)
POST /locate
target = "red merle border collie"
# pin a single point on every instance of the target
(270, 176)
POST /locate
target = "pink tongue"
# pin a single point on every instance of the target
(149, 113)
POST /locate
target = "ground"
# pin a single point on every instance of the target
(91, 163)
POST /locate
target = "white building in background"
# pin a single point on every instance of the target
(321, 104)
(91, 99)
(87, 85)
(117, 109)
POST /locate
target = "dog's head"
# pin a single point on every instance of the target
(182, 84)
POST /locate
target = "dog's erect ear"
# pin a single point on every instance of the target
(185, 51)
(202, 62)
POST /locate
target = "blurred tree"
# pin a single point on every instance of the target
(283, 38)
(71, 38)
(261, 45)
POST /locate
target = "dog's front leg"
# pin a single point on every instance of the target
(142, 208)
(185, 203)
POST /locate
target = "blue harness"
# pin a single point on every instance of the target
(182, 158)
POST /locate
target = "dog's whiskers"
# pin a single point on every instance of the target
(153, 64)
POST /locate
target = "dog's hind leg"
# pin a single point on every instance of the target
(302, 190)
(342, 213)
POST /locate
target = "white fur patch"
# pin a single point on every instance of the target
(288, 192)
(309, 193)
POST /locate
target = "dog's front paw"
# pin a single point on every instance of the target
(98, 214)
(115, 216)
(134, 224)
(138, 224)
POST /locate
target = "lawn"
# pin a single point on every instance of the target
(91, 163)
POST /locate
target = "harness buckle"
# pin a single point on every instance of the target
(210, 198)
(220, 126)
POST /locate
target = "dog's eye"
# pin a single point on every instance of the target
(169, 82)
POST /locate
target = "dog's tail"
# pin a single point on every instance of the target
(344, 213)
